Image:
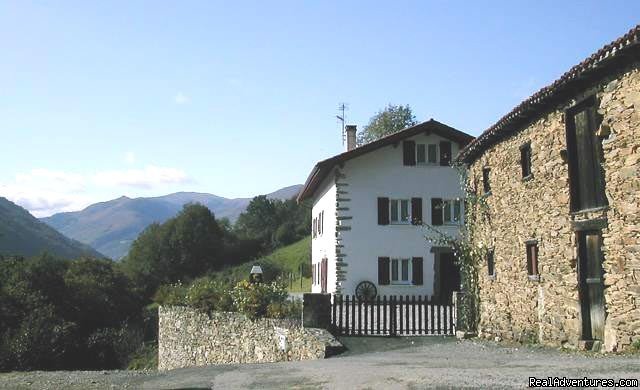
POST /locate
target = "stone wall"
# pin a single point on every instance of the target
(187, 337)
(547, 310)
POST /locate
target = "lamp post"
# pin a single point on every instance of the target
(256, 274)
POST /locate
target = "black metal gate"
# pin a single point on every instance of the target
(392, 316)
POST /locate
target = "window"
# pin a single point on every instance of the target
(491, 271)
(321, 223)
(525, 161)
(421, 154)
(586, 180)
(400, 271)
(427, 154)
(315, 227)
(399, 211)
(452, 209)
(532, 258)
(486, 186)
(432, 154)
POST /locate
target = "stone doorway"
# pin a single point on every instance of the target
(590, 284)
(447, 275)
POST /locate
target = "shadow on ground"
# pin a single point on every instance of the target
(358, 345)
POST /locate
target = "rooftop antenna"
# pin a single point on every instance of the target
(342, 107)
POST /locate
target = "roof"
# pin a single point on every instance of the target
(620, 52)
(324, 167)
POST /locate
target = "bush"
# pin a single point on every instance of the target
(145, 358)
(171, 295)
(209, 295)
(253, 299)
(286, 309)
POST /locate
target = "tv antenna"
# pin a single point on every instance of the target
(342, 108)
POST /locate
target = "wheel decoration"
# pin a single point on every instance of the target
(366, 291)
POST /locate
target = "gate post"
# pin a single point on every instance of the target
(392, 316)
(463, 323)
(316, 310)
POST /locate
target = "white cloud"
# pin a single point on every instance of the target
(149, 177)
(45, 192)
(181, 98)
(130, 157)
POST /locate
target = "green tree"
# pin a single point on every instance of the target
(388, 121)
(182, 248)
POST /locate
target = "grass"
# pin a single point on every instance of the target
(281, 262)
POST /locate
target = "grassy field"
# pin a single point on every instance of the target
(284, 263)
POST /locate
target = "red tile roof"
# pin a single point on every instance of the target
(323, 168)
(620, 52)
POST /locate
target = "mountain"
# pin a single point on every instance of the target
(110, 227)
(23, 234)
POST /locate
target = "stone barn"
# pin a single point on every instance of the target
(559, 177)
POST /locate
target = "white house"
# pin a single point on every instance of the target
(368, 207)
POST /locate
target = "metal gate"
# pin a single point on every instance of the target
(392, 316)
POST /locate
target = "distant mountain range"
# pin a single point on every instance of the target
(110, 227)
(23, 234)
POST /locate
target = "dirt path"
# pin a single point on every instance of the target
(404, 363)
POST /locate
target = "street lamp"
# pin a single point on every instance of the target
(256, 274)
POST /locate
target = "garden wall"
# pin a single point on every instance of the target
(188, 337)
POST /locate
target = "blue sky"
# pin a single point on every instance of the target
(144, 98)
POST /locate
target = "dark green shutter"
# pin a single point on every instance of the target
(409, 152)
(416, 211)
(416, 266)
(383, 211)
(436, 211)
(445, 153)
(383, 271)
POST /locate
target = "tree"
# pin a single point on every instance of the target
(388, 121)
(182, 248)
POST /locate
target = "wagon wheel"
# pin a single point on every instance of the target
(366, 291)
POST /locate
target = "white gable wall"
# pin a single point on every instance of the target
(381, 173)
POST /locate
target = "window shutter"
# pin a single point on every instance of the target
(383, 211)
(383, 271)
(436, 211)
(416, 265)
(409, 152)
(416, 211)
(445, 153)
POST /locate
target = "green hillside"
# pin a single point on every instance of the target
(283, 263)
(22, 234)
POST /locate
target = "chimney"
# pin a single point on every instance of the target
(351, 136)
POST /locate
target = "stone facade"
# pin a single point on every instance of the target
(188, 337)
(517, 307)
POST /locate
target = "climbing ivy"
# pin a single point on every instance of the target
(468, 256)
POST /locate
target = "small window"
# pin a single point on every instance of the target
(432, 154)
(532, 259)
(400, 271)
(451, 211)
(421, 154)
(485, 180)
(315, 227)
(525, 160)
(399, 211)
(491, 271)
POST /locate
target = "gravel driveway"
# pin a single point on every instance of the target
(370, 363)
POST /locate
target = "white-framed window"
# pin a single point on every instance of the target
(452, 211)
(400, 271)
(400, 211)
(427, 154)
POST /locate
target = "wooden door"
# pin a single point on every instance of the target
(323, 275)
(591, 286)
(449, 276)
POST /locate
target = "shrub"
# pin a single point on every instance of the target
(171, 295)
(208, 295)
(286, 309)
(145, 358)
(253, 299)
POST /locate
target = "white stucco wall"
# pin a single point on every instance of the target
(381, 173)
(324, 245)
